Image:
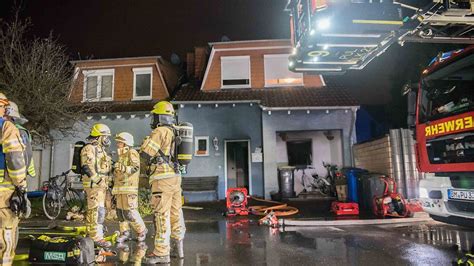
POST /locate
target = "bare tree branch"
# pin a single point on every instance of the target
(36, 74)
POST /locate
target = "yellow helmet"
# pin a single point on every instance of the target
(125, 137)
(98, 130)
(163, 108)
(4, 100)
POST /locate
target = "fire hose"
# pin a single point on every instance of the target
(271, 213)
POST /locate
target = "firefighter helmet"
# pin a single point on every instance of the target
(98, 130)
(14, 112)
(4, 100)
(125, 137)
(163, 108)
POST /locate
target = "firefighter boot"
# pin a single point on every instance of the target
(177, 249)
(124, 236)
(142, 236)
(103, 243)
(153, 259)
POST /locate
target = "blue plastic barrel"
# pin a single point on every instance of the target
(352, 175)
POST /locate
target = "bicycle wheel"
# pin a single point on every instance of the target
(52, 204)
(75, 198)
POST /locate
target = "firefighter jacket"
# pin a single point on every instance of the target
(12, 166)
(161, 138)
(26, 137)
(96, 166)
(126, 176)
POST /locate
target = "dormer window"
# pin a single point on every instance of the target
(142, 85)
(277, 73)
(235, 72)
(98, 85)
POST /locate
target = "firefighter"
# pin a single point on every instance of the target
(96, 166)
(157, 154)
(12, 175)
(13, 114)
(125, 190)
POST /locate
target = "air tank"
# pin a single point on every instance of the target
(185, 143)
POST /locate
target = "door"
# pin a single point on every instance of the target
(237, 164)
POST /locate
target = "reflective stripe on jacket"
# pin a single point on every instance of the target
(99, 163)
(13, 167)
(161, 138)
(127, 182)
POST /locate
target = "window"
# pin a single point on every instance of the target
(142, 87)
(235, 71)
(299, 152)
(98, 85)
(201, 146)
(277, 73)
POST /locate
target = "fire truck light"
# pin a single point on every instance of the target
(323, 24)
(291, 64)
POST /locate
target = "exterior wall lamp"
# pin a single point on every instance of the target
(215, 142)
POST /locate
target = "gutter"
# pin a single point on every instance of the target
(115, 59)
(215, 102)
(354, 108)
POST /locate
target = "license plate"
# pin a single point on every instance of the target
(461, 194)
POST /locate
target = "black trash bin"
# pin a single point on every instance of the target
(286, 181)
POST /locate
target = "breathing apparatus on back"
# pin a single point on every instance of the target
(164, 115)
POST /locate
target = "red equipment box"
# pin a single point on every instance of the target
(237, 201)
(345, 208)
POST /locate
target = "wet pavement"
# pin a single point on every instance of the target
(212, 239)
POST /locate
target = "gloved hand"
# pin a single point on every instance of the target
(96, 179)
(120, 167)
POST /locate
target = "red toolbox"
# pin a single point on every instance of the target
(345, 208)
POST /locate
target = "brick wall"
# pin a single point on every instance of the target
(123, 78)
(190, 66)
(200, 60)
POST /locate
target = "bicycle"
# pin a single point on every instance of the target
(59, 192)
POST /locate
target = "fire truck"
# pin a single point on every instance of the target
(335, 36)
(442, 112)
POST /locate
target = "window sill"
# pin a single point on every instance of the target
(97, 100)
(236, 87)
(283, 85)
(147, 98)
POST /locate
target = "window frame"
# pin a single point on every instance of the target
(99, 73)
(244, 86)
(141, 71)
(279, 85)
(196, 145)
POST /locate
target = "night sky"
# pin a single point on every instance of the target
(123, 28)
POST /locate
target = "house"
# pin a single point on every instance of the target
(252, 115)
(118, 92)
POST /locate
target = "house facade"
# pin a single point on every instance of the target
(118, 92)
(251, 115)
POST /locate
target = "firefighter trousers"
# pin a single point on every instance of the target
(110, 206)
(127, 212)
(95, 215)
(8, 229)
(168, 220)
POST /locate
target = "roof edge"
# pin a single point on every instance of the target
(248, 41)
(115, 59)
(264, 108)
(215, 102)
